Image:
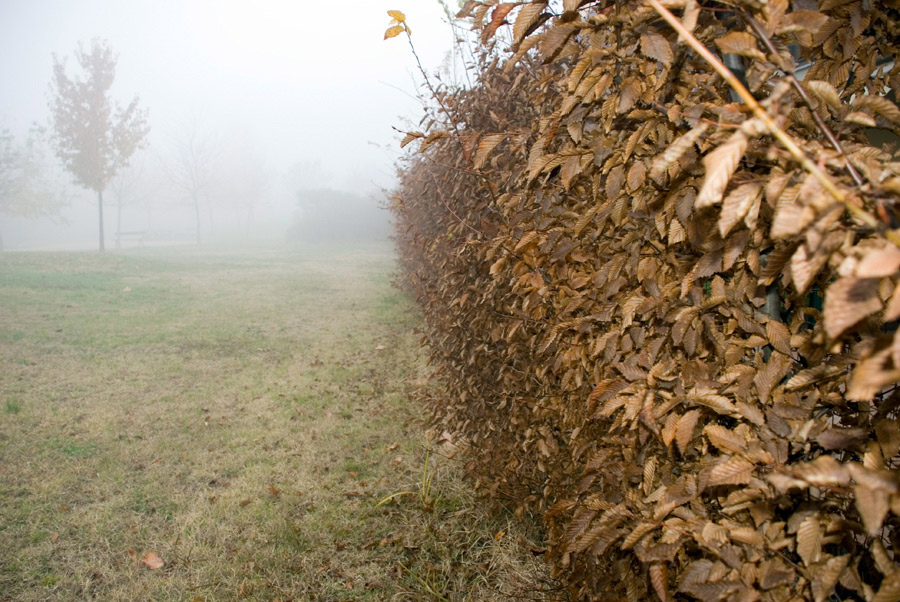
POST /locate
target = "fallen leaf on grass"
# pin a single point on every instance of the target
(274, 490)
(393, 446)
(499, 535)
(152, 560)
(54, 537)
(380, 348)
(245, 503)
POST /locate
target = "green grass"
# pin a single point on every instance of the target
(241, 414)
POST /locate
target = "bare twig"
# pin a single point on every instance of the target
(788, 69)
(760, 113)
(446, 111)
(437, 186)
(434, 93)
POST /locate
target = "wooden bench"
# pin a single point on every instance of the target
(137, 235)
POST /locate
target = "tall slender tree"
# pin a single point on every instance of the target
(94, 135)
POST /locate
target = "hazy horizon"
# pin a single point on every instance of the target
(288, 87)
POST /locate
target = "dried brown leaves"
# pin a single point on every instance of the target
(651, 320)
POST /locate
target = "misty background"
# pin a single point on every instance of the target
(284, 109)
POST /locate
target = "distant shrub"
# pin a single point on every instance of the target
(326, 214)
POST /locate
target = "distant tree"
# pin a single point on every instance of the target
(193, 164)
(94, 136)
(26, 187)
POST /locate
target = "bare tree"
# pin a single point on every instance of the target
(94, 136)
(192, 166)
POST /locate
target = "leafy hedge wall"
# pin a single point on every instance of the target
(664, 306)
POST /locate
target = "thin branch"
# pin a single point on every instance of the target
(480, 233)
(452, 212)
(760, 113)
(434, 93)
(444, 108)
(835, 143)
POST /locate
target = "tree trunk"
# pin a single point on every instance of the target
(119, 225)
(100, 207)
(197, 216)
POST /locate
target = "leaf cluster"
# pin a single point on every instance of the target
(661, 329)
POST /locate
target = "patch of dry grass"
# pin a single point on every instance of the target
(241, 416)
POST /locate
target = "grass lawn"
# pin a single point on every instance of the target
(237, 416)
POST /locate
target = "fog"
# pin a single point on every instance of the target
(280, 97)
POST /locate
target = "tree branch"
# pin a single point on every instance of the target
(760, 113)
(835, 143)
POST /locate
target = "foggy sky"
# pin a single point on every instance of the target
(303, 80)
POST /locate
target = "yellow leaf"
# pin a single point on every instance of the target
(397, 16)
(393, 32)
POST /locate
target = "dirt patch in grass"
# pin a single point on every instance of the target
(244, 416)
